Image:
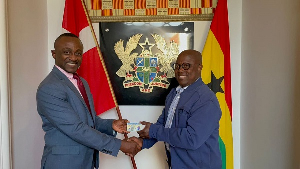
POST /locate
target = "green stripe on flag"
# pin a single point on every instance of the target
(223, 152)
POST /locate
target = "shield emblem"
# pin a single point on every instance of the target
(146, 69)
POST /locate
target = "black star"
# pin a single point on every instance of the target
(215, 84)
(146, 46)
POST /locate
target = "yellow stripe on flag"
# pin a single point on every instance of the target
(213, 61)
(225, 129)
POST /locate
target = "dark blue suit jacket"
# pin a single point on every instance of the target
(194, 134)
(71, 134)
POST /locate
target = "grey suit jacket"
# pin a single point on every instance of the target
(71, 134)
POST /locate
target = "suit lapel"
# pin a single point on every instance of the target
(63, 78)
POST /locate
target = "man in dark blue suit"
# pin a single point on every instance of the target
(74, 135)
(189, 123)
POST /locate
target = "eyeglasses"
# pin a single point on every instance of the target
(184, 66)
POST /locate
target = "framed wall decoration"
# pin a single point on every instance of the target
(141, 39)
(139, 58)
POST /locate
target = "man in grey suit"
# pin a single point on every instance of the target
(74, 135)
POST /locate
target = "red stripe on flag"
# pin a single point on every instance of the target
(220, 28)
(74, 19)
(92, 71)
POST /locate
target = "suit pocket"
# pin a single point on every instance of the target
(65, 150)
(183, 115)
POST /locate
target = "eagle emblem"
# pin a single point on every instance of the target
(145, 69)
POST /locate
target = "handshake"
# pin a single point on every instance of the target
(132, 145)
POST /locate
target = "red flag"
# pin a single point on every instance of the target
(76, 21)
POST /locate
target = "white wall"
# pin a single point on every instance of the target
(270, 84)
(5, 146)
(27, 20)
(235, 31)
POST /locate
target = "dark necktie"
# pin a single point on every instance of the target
(82, 91)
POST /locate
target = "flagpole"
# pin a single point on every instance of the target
(106, 73)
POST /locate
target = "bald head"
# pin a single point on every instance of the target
(188, 67)
(193, 54)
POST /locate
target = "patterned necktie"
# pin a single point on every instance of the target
(171, 111)
(82, 91)
(172, 108)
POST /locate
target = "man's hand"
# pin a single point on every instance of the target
(145, 132)
(139, 141)
(120, 126)
(130, 148)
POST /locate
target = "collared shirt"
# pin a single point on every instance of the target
(69, 76)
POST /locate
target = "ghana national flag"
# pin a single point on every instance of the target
(216, 74)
